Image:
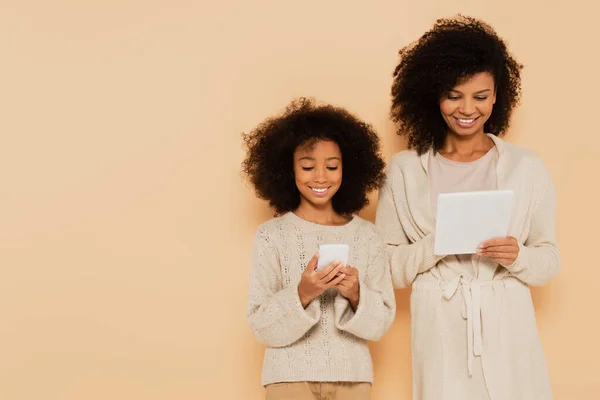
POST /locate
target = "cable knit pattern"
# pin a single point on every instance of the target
(327, 341)
(510, 359)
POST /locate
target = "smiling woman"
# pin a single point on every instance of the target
(474, 334)
(461, 68)
(467, 106)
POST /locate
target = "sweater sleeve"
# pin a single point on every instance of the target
(406, 259)
(275, 313)
(538, 259)
(377, 305)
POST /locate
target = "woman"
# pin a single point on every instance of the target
(316, 323)
(474, 333)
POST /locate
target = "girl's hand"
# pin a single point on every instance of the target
(314, 283)
(349, 286)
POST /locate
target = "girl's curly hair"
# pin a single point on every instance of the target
(448, 54)
(269, 162)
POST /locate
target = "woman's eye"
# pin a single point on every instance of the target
(480, 98)
(332, 168)
(307, 168)
(453, 98)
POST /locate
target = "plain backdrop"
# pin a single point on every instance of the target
(125, 229)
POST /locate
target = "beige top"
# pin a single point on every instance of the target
(447, 176)
(327, 341)
(472, 338)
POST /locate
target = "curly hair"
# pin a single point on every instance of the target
(269, 162)
(448, 54)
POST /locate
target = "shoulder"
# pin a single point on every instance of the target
(404, 159)
(269, 232)
(362, 223)
(517, 151)
(516, 155)
(402, 164)
(524, 158)
(367, 229)
(529, 167)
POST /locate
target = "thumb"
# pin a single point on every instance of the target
(312, 264)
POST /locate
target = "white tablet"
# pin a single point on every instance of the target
(466, 219)
(329, 253)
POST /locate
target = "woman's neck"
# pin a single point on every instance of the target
(466, 148)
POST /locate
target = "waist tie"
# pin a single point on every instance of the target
(471, 307)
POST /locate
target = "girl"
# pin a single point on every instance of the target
(315, 166)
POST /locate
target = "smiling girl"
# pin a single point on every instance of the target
(315, 165)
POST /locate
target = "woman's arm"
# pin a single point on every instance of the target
(406, 259)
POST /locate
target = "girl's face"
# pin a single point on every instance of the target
(467, 107)
(318, 172)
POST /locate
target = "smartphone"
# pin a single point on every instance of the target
(329, 253)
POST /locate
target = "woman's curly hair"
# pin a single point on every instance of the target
(448, 54)
(269, 162)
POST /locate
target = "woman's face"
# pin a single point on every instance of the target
(467, 107)
(318, 171)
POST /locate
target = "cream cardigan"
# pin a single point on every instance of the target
(498, 318)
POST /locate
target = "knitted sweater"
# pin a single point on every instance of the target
(327, 341)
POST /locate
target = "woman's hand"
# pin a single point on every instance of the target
(504, 250)
(314, 283)
(349, 286)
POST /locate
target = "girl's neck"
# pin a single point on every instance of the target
(325, 215)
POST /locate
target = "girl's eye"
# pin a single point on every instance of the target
(332, 168)
(307, 168)
(481, 98)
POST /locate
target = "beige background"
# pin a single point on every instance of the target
(125, 230)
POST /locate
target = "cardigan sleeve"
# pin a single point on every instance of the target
(406, 259)
(539, 258)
